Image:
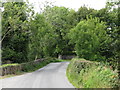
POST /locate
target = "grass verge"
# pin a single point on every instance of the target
(6, 65)
(86, 74)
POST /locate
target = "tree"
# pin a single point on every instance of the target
(83, 12)
(114, 25)
(15, 32)
(89, 37)
(61, 20)
(42, 39)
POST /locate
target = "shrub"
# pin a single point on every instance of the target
(86, 74)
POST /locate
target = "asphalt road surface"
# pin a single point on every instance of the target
(51, 76)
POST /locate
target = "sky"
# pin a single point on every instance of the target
(74, 4)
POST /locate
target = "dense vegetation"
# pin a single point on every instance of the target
(87, 33)
(90, 38)
(87, 74)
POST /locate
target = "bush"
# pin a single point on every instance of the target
(31, 66)
(86, 74)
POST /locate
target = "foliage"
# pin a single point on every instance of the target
(89, 37)
(29, 67)
(27, 36)
(41, 38)
(83, 12)
(110, 15)
(15, 32)
(84, 74)
(61, 20)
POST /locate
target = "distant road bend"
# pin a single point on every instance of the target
(51, 76)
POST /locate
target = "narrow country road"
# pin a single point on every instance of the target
(51, 76)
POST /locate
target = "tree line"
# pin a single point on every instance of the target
(88, 33)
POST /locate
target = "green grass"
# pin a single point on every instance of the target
(6, 65)
(59, 60)
(86, 75)
(33, 67)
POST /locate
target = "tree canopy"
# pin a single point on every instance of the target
(88, 33)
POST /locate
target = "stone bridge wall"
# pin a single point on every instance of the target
(14, 69)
